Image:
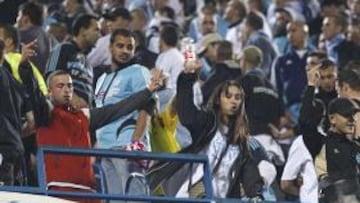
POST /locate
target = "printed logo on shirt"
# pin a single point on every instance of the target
(100, 95)
(336, 151)
(265, 90)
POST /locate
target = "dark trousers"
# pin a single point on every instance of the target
(11, 172)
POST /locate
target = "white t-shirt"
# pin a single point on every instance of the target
(234, 36)
(301, 162)
(100, 54)
(220, 180)
(171, 62)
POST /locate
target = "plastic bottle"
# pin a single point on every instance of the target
(188, 50)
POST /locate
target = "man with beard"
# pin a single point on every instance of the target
(71, 57)
(123, 78)
(282, 18)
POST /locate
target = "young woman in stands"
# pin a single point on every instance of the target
(219, 131)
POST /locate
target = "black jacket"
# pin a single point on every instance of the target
(313, 116)
(11, 109)
(262, 103)
(341, 157)
(346, 51)
(203, 126)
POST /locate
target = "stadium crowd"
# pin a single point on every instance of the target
(269, 90)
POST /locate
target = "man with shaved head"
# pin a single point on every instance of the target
(290, 73)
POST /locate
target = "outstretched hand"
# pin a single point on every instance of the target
(28, 50)
(157, 80)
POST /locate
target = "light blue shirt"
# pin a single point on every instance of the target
(114, 87)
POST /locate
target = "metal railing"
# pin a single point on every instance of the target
(42, 188)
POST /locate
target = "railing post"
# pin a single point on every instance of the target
(41, 172)
(207, 180)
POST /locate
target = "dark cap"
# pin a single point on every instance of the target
(116, 12)
(343, 106)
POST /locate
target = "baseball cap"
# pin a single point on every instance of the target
(115, 12)
(207, 40)
(343, 106)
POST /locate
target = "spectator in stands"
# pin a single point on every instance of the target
(348, 87)
(73, 9)
(164, 16)
(341, 152)
(58, 30)
(253, 35)
(221, 133)
(282, 18)
(144, 56)
(207, 54)
(204, 24)
(337, 48)
(354, 8)
(290, 70)
(260, 96)
(170, 61)
(29, 23)
(123, 78)
(348, 84)
(234, 14)
(71, 57)
(104, 26)
(327, 8)
(299, 176)
(139, 20)
(320, 90)
(12, 106)
(353, 32)
(61, 124)
(255, 6)
(12, 60)
(52, 14)
(224, 69)
(222, 24)
(100, 56)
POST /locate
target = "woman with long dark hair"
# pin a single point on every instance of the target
(221, 132)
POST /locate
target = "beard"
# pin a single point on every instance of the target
(279, 30)
(121, 65)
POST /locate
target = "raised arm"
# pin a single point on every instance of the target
(107, 114)
(190, 116)
(41, 106)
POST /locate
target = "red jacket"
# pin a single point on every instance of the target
(67, 128)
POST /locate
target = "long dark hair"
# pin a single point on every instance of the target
(238, 124)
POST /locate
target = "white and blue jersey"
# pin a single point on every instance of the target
(111, 88)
